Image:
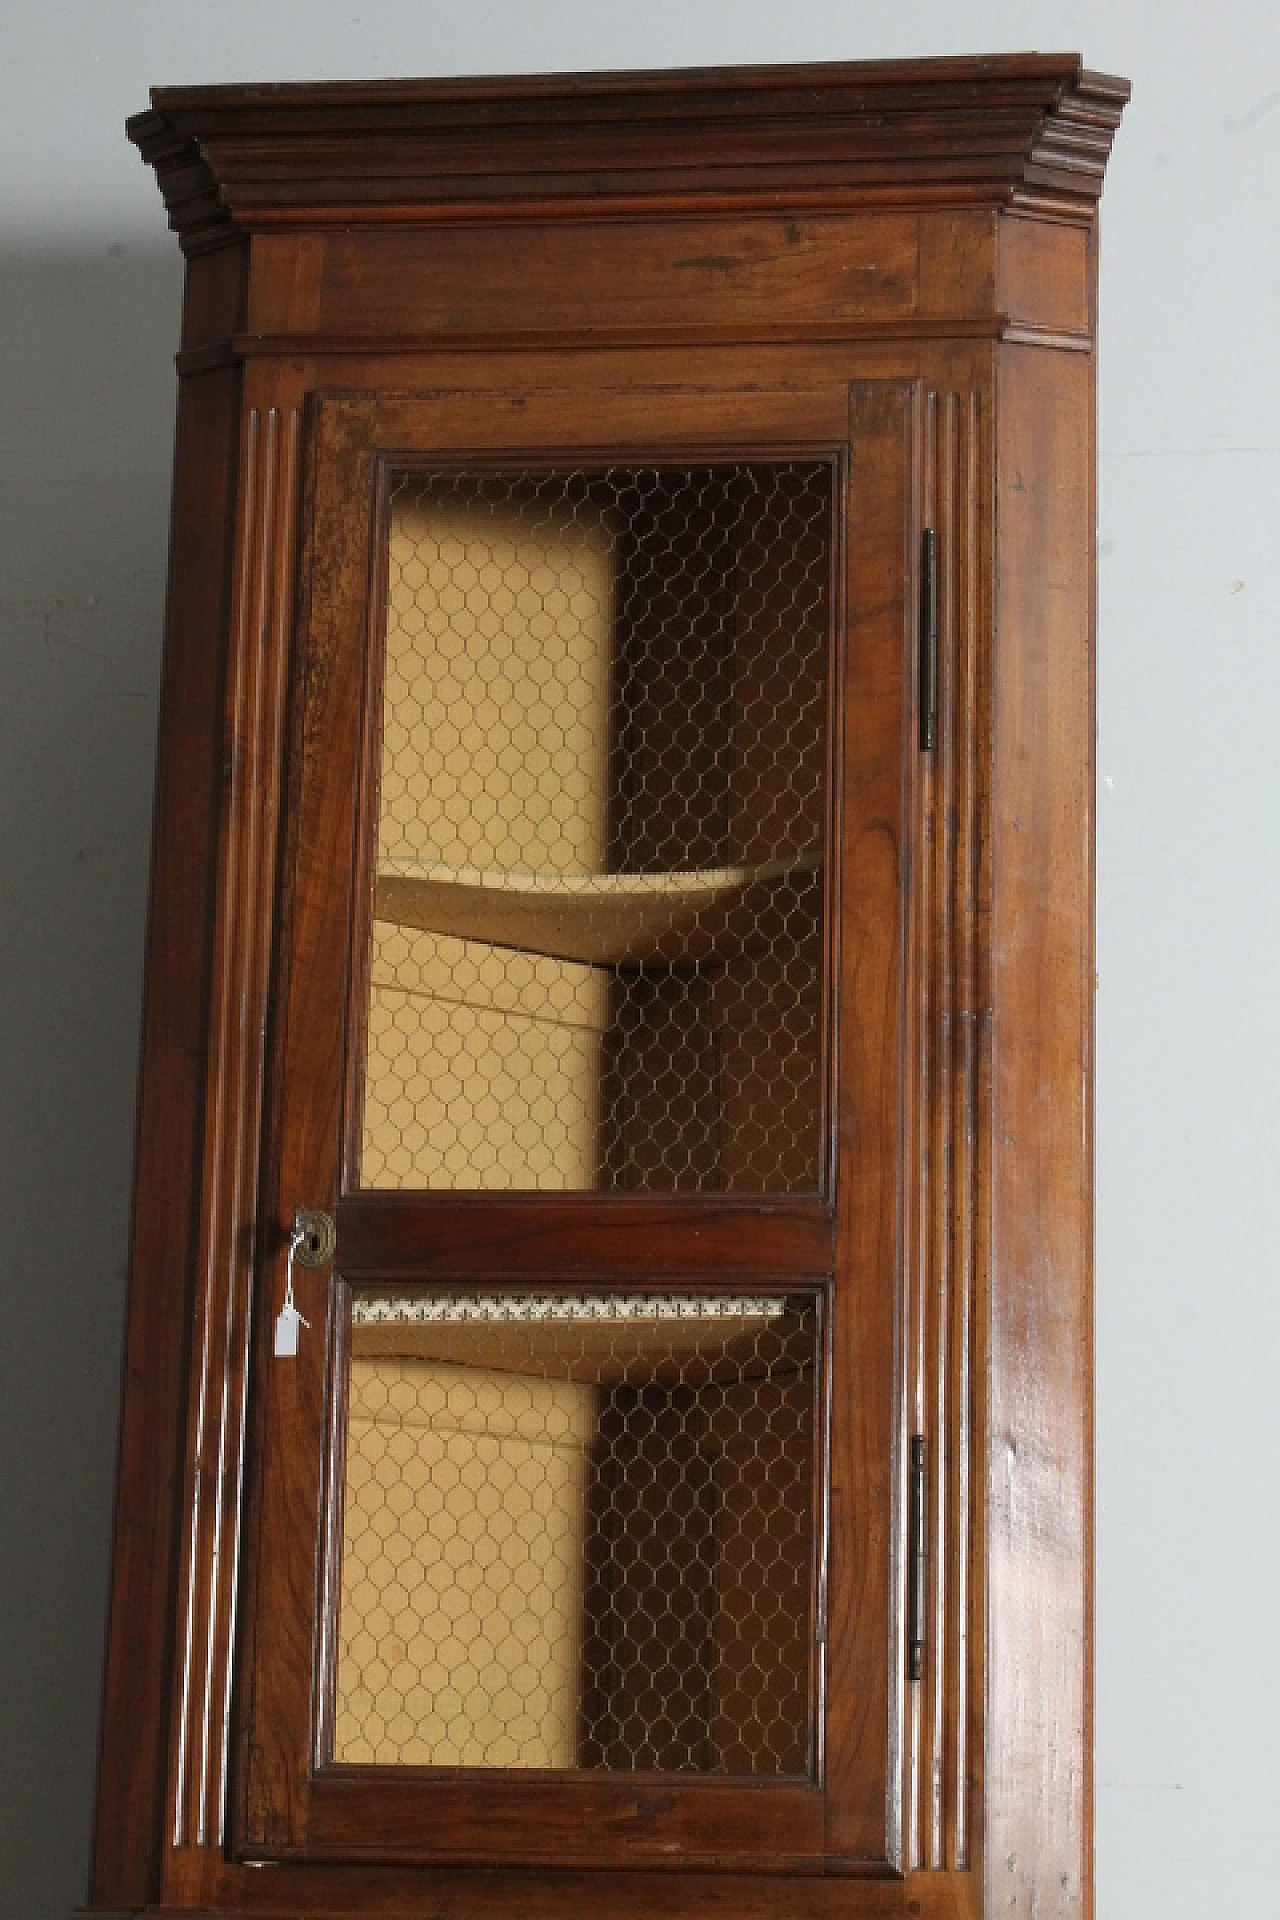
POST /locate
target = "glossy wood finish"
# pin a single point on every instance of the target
(628, 1237)
(141, 1628)
(1030, 130)
(948, 1132)
(228, 1228)
(288, 1809)
(1039, 1385)
(889, 266)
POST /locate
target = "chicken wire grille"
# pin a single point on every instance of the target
(596, 948)
(578, 1533)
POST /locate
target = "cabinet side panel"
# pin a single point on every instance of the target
(1041, 1291)
(174, 1038)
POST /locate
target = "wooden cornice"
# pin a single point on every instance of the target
(1026, 130)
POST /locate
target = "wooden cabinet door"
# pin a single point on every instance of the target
(575, 1527)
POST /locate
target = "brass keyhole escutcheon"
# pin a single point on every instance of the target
(314, 1237)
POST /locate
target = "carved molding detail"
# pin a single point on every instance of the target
(220, 1335)
(1030, 130)
(948, 1248)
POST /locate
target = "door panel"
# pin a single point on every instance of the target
(575, 1503)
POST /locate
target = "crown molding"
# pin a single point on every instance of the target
(1031, 131)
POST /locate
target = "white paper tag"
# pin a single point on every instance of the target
(287, 1321)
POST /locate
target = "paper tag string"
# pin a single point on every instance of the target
(289, 1319)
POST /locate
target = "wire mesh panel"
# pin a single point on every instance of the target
(578, 1533)
(596, 949)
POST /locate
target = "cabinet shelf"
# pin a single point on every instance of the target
(601, 1340)
(603, 919)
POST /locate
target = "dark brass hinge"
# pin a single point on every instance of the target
(917, 1557)
(928, 640)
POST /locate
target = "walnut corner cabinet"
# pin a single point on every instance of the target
(607, 1421)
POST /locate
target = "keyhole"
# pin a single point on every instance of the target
(314, 1237)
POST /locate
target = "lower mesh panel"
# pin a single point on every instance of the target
(578, 1533)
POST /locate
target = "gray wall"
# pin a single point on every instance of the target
(1188, 874)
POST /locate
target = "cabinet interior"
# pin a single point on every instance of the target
(596, 948)
(578, 1533)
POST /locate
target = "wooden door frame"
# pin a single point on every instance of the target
(287, 1804)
